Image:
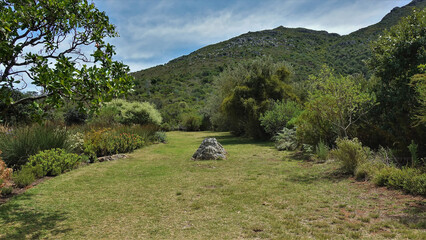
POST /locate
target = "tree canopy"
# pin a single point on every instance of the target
(396, 56)
(42, 41)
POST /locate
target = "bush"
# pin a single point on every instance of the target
(286, 140)
(321, 151)
(52, 162)
(350, 153)
(5, 173)
(107, 142)
(192, 122)
(281, 115)
(23, 142)
(24, 177)
(160, 137)
(134, 112)
(5, 191)
(408, 179)
(76, 142)
(74, 116)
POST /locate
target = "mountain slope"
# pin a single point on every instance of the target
(188, 78)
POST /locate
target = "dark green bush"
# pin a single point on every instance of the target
(74, 116)
(52, 162)
(350, 153)
(286, 140)
(23, 142)
(24, 177)
(5, 191)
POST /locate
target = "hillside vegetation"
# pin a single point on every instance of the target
(189, 78)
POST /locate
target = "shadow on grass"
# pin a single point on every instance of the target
(27, 222)
(232, 140)
(311, 178)
(414, 216)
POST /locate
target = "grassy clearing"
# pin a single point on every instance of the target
(257, 193)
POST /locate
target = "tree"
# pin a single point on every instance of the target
(246, 91)
(336, 103)
(395, 57)
(42, 40)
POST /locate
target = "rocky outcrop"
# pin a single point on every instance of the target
(210, 149)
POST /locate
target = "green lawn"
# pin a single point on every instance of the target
(258, 192)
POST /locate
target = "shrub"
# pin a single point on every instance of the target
(408, 179)
(160, 137)
(52, 162)
(24, 177)
(350, 153)
(135, 112)
(321, 151)
(76, 142)
(192, 122)
(106, 142)
(281, 115)
(286, 140)
(413, 150)
(74, 116)
(23, 142)
(5, 191)
(5, 173)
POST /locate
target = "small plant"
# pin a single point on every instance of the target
(24, 177)
(76, 142)
(6, 191)
(5, 173)
(160, 137)
(350, 153)
(413, 150)
(52, 162)
(286, 140)
(321, 151)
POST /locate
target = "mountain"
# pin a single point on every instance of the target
(188, 78)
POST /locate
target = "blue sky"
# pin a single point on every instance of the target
(155, 32)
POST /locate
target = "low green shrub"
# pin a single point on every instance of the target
(408, 179)
(160, 137)
(321, 150)
(107, 142)
(286, 140)
(52, 162)
(24, 177)
(350, 153)
(134, 112)
(19, 144)
(5, 191)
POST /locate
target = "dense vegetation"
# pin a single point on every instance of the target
(189, 79)
(366, 121)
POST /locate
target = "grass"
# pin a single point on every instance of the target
(258, 192)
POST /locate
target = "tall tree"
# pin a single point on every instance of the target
(246, 91)
(41, 40)
(396, 56)
(335, 103)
